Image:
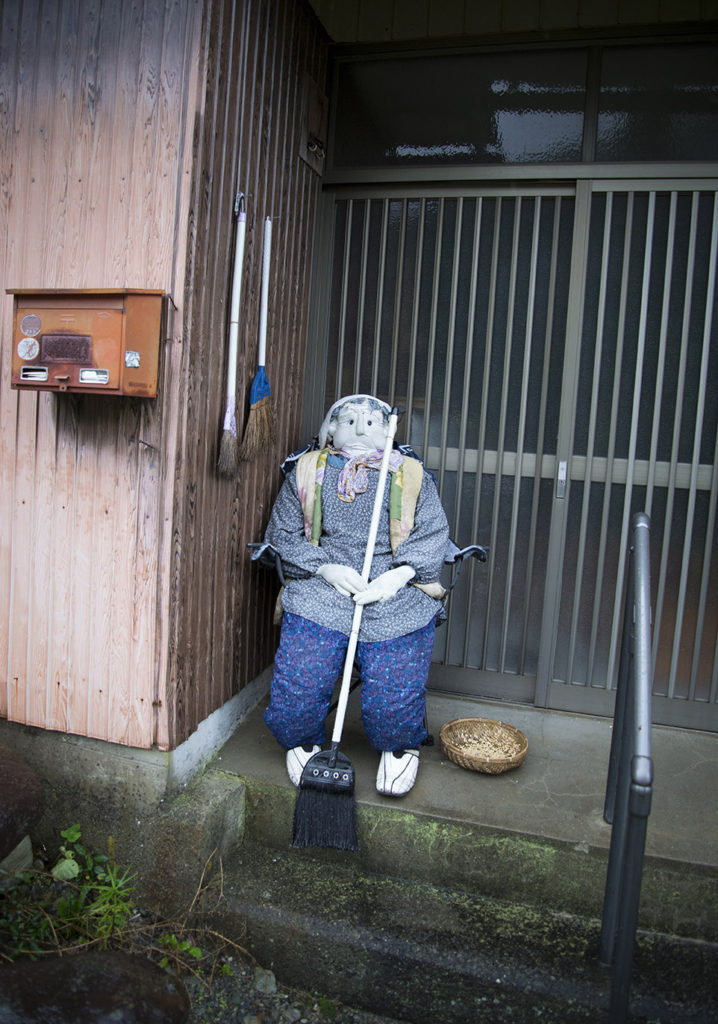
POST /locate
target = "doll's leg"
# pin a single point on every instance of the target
(393, 693)
(393, 705)
(307, 664)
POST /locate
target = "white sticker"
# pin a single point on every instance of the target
(132, 358)
(28, 348)
(31, 324)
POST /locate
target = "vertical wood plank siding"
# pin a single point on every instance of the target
(248, 139)
(128, 610)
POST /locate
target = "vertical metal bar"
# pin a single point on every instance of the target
(362, 294)
(662, 347)
(533, 528)
(345, 293)
(633, 784)
(450, 342)
(470, 329)
(633, 438)
(381, 270)
(705, 575)
(555, 558)
(626, 937)
(508, 337)
(615, 803)
(397, 304)
(620, 334)
(465, 399)
(481, 441)
(591, 439)
(714, 677)
(677, 421)
(432, 330)
(700, 409)
(632, 723)
(415, 316)
(520, 442)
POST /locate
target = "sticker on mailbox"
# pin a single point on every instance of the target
(28, 348)
(31, 324)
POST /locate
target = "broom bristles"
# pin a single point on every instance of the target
(228, 461)
(325, 818)
(260, 430)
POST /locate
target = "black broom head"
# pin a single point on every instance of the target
(325, 810)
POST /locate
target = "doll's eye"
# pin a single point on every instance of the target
(369, 423)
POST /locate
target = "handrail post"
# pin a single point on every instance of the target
(630, 777)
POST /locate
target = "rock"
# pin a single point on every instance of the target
(94, 988)
(265, 981)
(20, 800)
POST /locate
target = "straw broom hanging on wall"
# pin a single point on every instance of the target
(229, 445)
(259, 432)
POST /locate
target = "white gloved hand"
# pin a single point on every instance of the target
(343, 578)
(386, 585)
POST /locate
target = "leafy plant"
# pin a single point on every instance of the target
(83, 900)
(86, 900)
(177, 949)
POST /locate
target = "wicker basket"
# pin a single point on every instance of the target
(483, 745)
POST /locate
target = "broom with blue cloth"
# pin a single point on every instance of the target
(260, 430)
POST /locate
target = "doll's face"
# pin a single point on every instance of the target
(358, 428)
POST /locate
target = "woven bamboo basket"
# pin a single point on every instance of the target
(483, 745)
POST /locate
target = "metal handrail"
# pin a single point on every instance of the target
(630, 776)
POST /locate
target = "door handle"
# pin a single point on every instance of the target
(561, 479)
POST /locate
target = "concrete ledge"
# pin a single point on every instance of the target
(422, 952)
(679, 899)
(112, 789)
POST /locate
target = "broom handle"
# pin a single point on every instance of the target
(368, 556)
(234, 304)
(266, 253)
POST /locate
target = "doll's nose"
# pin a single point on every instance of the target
(360, 424)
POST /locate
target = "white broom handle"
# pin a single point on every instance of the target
(368, 556)
(266, 253)
(234, 304)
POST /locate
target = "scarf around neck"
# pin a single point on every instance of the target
(354, 477)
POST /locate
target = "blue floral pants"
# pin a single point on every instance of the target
(308, 663)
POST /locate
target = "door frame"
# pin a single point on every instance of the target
(542, 691)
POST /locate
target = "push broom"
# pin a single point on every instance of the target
(325, 812)
(259, 432)
(229, 445)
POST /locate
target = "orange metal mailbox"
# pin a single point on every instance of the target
(84, 340)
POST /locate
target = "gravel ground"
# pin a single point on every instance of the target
(252, 995)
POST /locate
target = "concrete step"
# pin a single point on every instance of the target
(421, 952)
(475, 898)
(535, 834)
(467, 857)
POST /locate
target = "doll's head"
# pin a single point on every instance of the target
(356, 423)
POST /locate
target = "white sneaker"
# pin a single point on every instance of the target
(297, 757)
(397, 772)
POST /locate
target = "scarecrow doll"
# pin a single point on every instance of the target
(319, 526)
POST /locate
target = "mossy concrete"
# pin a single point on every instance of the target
(425, 953)
(564, 877)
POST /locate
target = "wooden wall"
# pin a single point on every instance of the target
(128, 611)
(249, 137)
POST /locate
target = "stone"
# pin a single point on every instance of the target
(20, 800)
(96, 987)
(265, 981)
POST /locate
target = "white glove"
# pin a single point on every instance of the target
(343, 578)
(386, 585)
